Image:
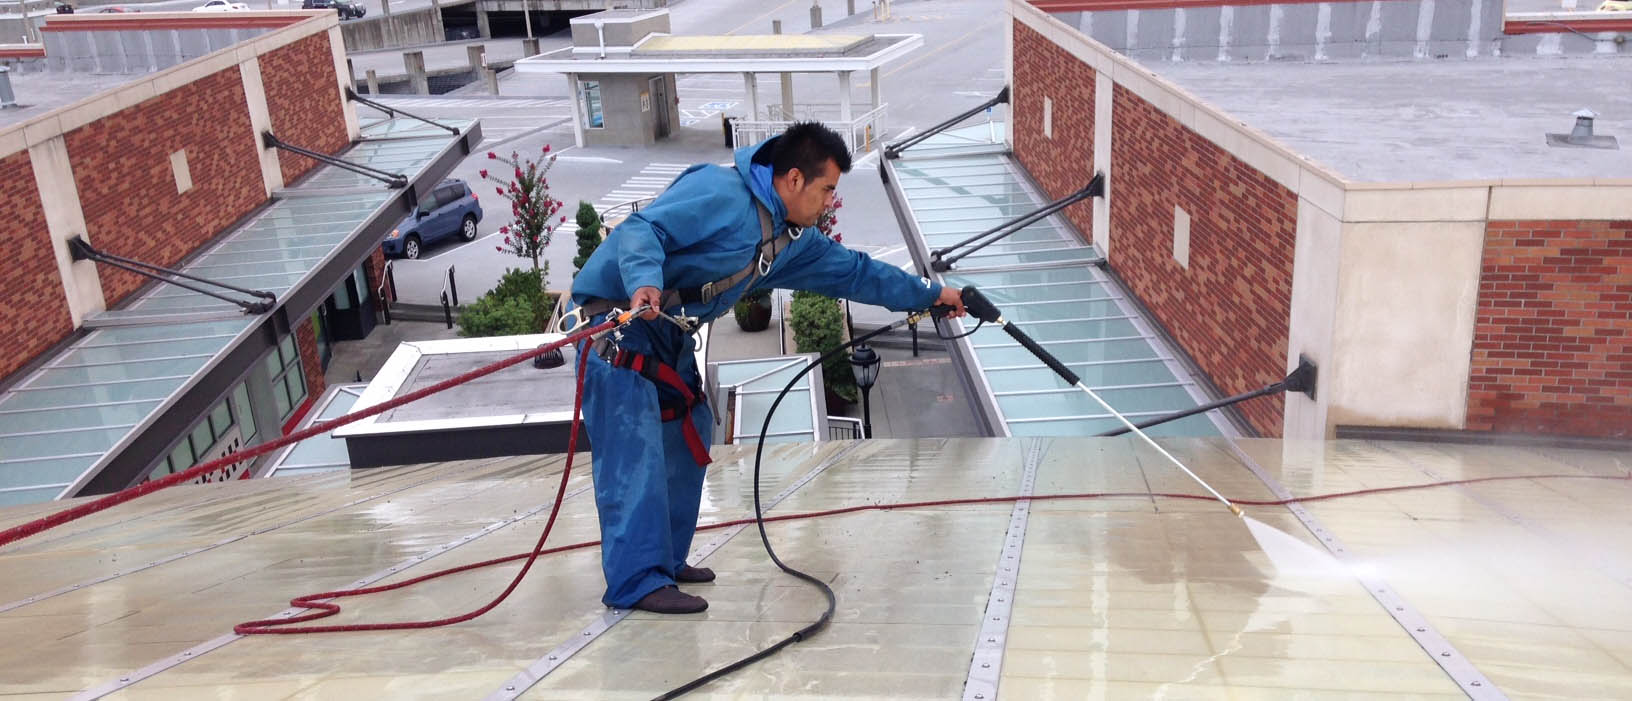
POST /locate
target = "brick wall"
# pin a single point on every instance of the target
(376, 277)
(1064, 163)
(304, 100)
(1552, 346)
(310, 363)
(122, 167)
(1230, 310)
(35, 315)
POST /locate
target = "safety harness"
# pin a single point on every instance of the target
(660, 373)
(770, 246)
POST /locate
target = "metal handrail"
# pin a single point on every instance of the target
(387, 277)
(632, 205)
(447, 308)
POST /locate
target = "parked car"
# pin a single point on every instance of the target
(347, 9)
(1616, 6)
(450, 210)
(221, 6)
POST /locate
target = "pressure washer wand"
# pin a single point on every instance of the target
(981, 308)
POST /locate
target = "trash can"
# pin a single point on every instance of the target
(726, 123)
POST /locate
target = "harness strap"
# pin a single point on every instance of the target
(770, 246)
(658, 372)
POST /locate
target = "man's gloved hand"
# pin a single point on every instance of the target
(952, 297)
(653, 297)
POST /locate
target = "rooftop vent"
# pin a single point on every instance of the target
(1581, 136)
(8, 99)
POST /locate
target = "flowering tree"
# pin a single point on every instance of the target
(533, 213)
(829, 218)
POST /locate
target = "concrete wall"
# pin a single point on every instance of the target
(406, 28)
(625, 123)
(1295, 30)
(618, 31)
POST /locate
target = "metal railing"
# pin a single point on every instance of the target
(449, 287)
(860, 134)
(388, 279)
(623, 210)
(843, 428)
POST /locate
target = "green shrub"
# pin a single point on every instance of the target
(589, 235)
(818, 327)
(515, 306)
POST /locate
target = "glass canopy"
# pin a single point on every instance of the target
(752, 385)
(1045, 279)
(323, 453)
(61, 420)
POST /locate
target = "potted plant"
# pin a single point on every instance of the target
(753, 311)
(818, 327)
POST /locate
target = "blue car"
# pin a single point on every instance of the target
(449, 210)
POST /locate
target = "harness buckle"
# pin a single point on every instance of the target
(764, 265)
(707, 292)
(576, 316)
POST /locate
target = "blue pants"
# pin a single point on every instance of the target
(648, 487)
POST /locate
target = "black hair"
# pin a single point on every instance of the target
(807, 146)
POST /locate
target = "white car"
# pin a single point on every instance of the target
(221, 6)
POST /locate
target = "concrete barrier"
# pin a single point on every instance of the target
(411, 28)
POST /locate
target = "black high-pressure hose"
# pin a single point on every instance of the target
(759, 518)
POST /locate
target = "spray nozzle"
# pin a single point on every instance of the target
(981, 308)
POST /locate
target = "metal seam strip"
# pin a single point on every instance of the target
(986, 665)
(1456, 665)
(215, 643)
(172, 558)
(1602, 564)
(543, 666)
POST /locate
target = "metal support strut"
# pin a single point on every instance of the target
(894, 150)
(941, 263)
(395, 180)
(82, 250)
(354, 97)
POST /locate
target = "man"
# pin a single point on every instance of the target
(715, 234)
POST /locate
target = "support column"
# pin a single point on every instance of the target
(483, 27)
(816, 14)
(577, 109)
(373, 82)
(414, 63)
(878, 92)
(844, 97)
(476, 53)
(786, 79)
(751, 86)
(529, 47)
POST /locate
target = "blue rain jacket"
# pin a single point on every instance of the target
(648, 488)
(705, 227)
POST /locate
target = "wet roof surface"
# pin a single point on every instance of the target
(1132, 596)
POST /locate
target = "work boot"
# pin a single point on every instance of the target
(671, 600)
(694, 575)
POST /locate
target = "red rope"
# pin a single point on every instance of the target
(19, 532)
(322, 609)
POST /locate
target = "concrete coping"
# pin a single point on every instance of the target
(26, 134)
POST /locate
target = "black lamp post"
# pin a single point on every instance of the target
(866, 363)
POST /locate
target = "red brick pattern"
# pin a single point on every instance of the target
(35, 314)
(1230, 310)
(310, 363)
(304, 100)
(121, 165)
(1552, 346)
(1064, 163)
(376, 276)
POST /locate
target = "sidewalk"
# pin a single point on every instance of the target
(368, 355)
